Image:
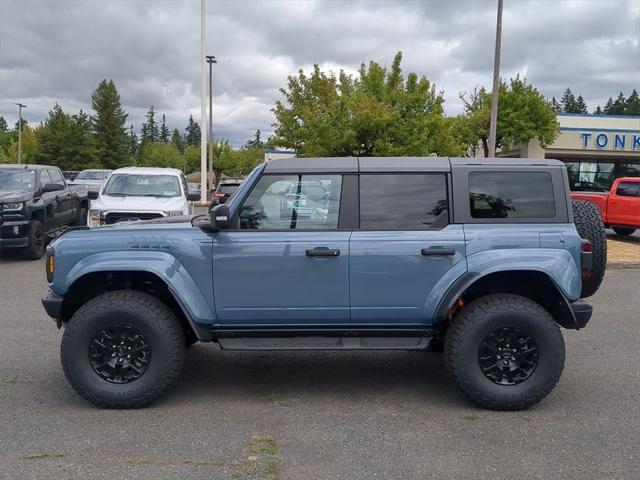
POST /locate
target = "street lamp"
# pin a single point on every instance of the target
(211, 60)
(20, 107)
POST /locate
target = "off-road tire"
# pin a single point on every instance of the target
(473, 324)
(37, 241)
(589, 225)
(81, 217)
(624, 231)
(159, 326)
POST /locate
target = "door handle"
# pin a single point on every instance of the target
(437, 251)
(323, 252)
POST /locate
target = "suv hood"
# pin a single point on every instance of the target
(138, 204)
(15, 195)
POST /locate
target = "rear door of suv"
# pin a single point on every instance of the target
(404, 249)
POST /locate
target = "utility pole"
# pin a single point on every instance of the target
(203, 104)
(496, 85)
(20, 107)
(211, 60)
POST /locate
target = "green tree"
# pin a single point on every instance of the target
(557, 108)
(193, 132)
(30, 146)
(164, 131)
(376, 113)
(255, 142)
(3, 124)
(598, 111)
(163, 155)
(581, 106)
(150, 131)
(132, 142)
(523, 114)
(633, 104)
(568, 102)
(108, 125)
(177, 140)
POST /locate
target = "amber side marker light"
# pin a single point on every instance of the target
(50, 265)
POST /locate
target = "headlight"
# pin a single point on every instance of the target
(13, 206)
(173, 213)
(95, 218)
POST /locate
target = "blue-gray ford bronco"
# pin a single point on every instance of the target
(483, 260)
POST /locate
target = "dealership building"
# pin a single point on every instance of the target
(596, 148)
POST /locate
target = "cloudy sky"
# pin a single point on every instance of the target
(58, 51)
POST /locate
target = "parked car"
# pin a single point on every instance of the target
(305, 198)
(140, 193)
(93, 179)
(407, 255)
(70, 175)
(620, 207)
(36, 203)
(223, 192)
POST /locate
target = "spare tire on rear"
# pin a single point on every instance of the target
(590, 227)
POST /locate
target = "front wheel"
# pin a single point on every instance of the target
(505, 352)
(122, 349)
(37, 241)
(624, 231)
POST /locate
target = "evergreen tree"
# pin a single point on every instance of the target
(633, 104)
(598, 111)
(568, 102)
(620, 105)
(3, 124)
(255, 142)
(557, 108)
(150, 132)
(164, 131)
(108, 125)
(608, 107)
(581, 106)
(177, 140)
(133, 144)
(193, 132)
(17, 125)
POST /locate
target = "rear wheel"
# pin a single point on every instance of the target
(624, 231)
(505, 352)
(589, 226)
(122, 349)
(37, 241)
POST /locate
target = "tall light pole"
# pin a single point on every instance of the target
(203, 104)
(211, 60)
(20, 107)
(496, 85)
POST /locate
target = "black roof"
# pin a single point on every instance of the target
(392, 164)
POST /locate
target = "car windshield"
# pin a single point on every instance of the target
(17, 180)
(138, 185)
(92, 175)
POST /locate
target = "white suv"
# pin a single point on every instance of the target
(140, 193)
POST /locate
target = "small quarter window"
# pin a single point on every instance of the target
(511, 195)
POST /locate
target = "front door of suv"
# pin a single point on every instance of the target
(404, 247)
(285, 262)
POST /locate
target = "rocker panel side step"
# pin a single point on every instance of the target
(325, 343)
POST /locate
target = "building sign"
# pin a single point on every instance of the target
(611, 140)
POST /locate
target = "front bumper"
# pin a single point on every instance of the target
(52, 303)
(14, 234)
(582, 312)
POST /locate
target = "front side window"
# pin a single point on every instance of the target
(403, 202)
(511, 195)
(628, 189)
(56, 176)
(292, 202)
(136, 185)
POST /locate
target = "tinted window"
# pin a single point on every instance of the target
(228, 188)
(286, 202)
(511, 195)
(56, 176)
(628, 189)
(403, 202)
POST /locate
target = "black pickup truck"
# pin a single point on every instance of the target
(36, 203)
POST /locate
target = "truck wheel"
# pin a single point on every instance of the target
(589, 225)
(37, 241)
(624, 231)
(505, 352)
(122, 349)
(81, 218)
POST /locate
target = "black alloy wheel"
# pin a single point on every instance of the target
(119, 353)
(508, 356)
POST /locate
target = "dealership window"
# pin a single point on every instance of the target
(511, 195)
(598, 176)
(293, 202)
(403, 202)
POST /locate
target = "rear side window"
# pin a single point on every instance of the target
(511, 195)
(628, 189)
(56, 176)
(403, 202)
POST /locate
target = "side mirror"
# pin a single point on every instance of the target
(193, 197)
(52, 187)
(92, 194)
(219, 217)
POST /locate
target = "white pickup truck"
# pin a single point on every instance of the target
(140, 193)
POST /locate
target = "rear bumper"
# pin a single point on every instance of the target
(582, 312)
(14, 234)
(52, 303)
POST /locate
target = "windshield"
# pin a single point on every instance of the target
(92, 175)
(17, 179)
(135, 185)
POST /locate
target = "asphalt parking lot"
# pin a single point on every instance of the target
(323, 415)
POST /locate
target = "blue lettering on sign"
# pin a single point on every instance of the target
(620, 141)
(602, 140)
(636, 142)
(585, 139)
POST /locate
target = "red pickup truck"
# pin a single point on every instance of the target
(620, 208)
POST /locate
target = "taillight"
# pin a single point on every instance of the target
(587, 246)
(586, 259)
(218, 194)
